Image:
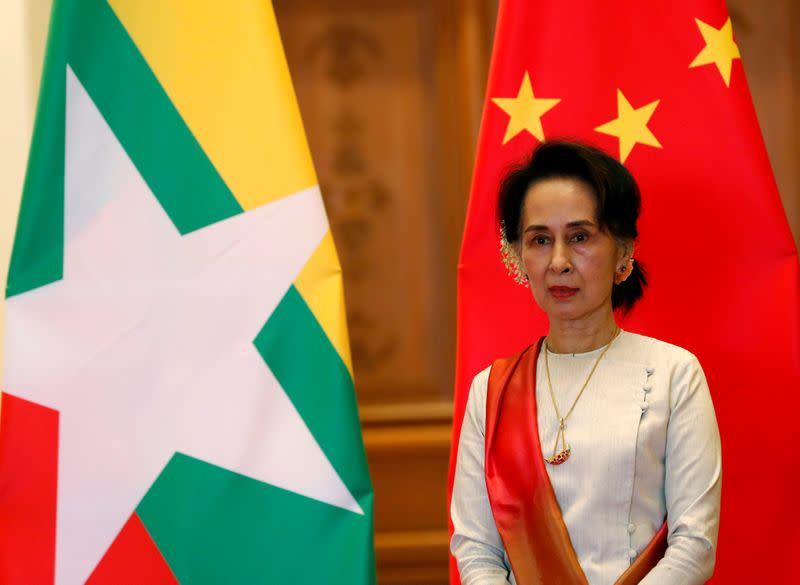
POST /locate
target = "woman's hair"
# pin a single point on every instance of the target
(614, 189)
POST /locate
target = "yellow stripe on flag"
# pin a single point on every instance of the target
(320, 285)
(223, 67)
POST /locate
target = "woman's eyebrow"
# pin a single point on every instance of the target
(571, 224)
(536, 228)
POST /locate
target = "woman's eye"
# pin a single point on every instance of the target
(581, 237)
(540, 240)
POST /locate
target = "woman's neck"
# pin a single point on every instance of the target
(581, 335)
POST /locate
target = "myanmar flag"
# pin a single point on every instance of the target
(178, 401)
(660, 86)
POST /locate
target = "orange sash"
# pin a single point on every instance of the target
(523, 503)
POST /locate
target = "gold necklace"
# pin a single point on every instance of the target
(563, 455)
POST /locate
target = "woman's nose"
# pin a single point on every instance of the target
(559, 262)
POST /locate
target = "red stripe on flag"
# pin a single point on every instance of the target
(29, 455)
(133, 559)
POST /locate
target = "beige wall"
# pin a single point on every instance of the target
(23, 25)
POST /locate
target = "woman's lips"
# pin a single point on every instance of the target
(562, 292)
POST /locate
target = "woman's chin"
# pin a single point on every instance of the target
(575, 310)
(566, 310)
(563, 308)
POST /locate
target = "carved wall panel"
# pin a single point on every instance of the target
(380, 118)
(768, 35)
(409, 470)
(391, 94)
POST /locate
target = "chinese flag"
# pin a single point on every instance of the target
(659, 85)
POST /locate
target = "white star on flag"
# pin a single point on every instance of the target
(156, 351)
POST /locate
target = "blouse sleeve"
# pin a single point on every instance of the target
(693, 480)
(476, 544)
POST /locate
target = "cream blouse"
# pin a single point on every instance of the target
(645, 446)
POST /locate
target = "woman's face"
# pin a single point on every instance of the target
(570, 262)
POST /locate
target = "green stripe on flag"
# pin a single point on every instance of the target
(315, 378)
(38, 252)
(142, 117)
(145, 121)
(214, 526)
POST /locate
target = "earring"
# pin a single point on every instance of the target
(623, 273)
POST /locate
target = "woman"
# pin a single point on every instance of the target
(594, 455)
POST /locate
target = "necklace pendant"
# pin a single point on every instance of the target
(559, 457)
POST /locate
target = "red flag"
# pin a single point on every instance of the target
(661, 87)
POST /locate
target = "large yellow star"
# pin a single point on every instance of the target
(525, 111)
(630, 126)
(720, 49)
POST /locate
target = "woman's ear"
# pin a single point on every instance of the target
(625, 250)
(625, 263)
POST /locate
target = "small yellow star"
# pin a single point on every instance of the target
(720, 49)
(630, 126)
(525, 111)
